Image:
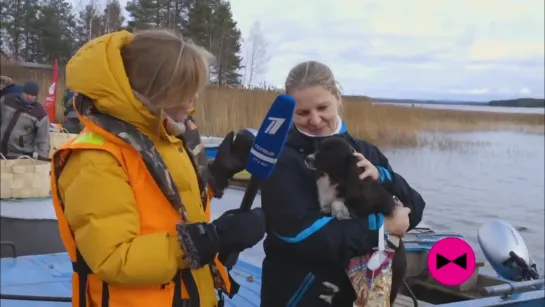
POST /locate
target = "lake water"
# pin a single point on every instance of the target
(501, 177)
(483, 108)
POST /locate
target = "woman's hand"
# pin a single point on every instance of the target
(231, 158)
(398, 223)
(369, 170)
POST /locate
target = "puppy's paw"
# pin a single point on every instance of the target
(339, 210)
(329, 292)
(394, 240)
(325, 209)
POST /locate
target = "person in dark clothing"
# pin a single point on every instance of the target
(304, 247)
(8, 87)
(25, 124)
(71, 121)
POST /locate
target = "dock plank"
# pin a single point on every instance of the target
(405, 301)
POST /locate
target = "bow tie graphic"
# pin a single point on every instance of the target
(461, 261)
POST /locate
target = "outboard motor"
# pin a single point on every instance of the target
(506, 251)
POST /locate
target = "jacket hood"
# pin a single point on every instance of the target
(97, 72)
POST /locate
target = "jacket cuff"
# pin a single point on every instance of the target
(46, 159)
(384, 174)
(216, 183)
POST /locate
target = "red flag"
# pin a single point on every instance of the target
(50, 101)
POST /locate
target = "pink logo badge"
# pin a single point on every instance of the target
(451, 261)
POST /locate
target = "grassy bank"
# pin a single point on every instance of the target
(222, 110)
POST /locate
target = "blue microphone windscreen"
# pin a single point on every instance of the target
(270, 139)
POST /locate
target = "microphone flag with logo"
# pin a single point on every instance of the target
(270, 139)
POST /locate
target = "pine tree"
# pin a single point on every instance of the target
(31, 34)
(112, 17)
(227, 46)
(56, 28)
(13, 26)
(199, 25)
(145, 14)
(210, 24)
(18, 24)
(88, 25)
(92, 22)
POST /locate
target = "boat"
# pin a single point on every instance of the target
(36, 270)
(211, 145)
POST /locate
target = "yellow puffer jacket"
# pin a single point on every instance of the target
(104, 219)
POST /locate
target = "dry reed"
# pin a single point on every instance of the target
(223, 109)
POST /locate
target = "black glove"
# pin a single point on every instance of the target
(46, 159)
(233, 232)
(231, 158)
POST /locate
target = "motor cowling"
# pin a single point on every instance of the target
(506, 251)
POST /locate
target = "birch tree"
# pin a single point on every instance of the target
(257, 58)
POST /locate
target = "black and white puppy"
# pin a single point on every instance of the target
(343, 195)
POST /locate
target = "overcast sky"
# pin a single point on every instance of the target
(434, 49)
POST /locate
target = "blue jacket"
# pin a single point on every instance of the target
(68, 107)
(305, 247)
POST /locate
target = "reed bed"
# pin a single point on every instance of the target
(221, 110)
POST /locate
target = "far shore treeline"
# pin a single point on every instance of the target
(521, 103)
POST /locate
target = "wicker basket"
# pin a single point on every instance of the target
(24, 177)
(58, 138)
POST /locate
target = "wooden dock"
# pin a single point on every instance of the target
(406, 301)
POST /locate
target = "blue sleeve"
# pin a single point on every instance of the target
(396, 184)
(295, 225)
(12, 89)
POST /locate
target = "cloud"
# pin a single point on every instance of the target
(433, 49)
(446, 49)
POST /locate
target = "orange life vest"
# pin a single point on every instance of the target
(157, 218)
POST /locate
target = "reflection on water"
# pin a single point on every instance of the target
(481, 108)
(466, 187)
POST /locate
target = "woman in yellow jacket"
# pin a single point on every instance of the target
(129, 200)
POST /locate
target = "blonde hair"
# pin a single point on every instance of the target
(5, 81)
(164, 69)
(311, 73)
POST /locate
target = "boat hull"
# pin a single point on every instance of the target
(49, 274)
(211, 145)
(43, 234)
(31, 226)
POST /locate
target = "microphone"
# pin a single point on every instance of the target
(267, 147)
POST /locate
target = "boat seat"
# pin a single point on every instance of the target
(406, 301)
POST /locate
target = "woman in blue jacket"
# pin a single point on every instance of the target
(304, 247)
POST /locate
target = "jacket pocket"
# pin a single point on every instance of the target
(25, 131)
(26, 142)
(301, 291)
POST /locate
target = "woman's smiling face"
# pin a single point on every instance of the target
(316, 110)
